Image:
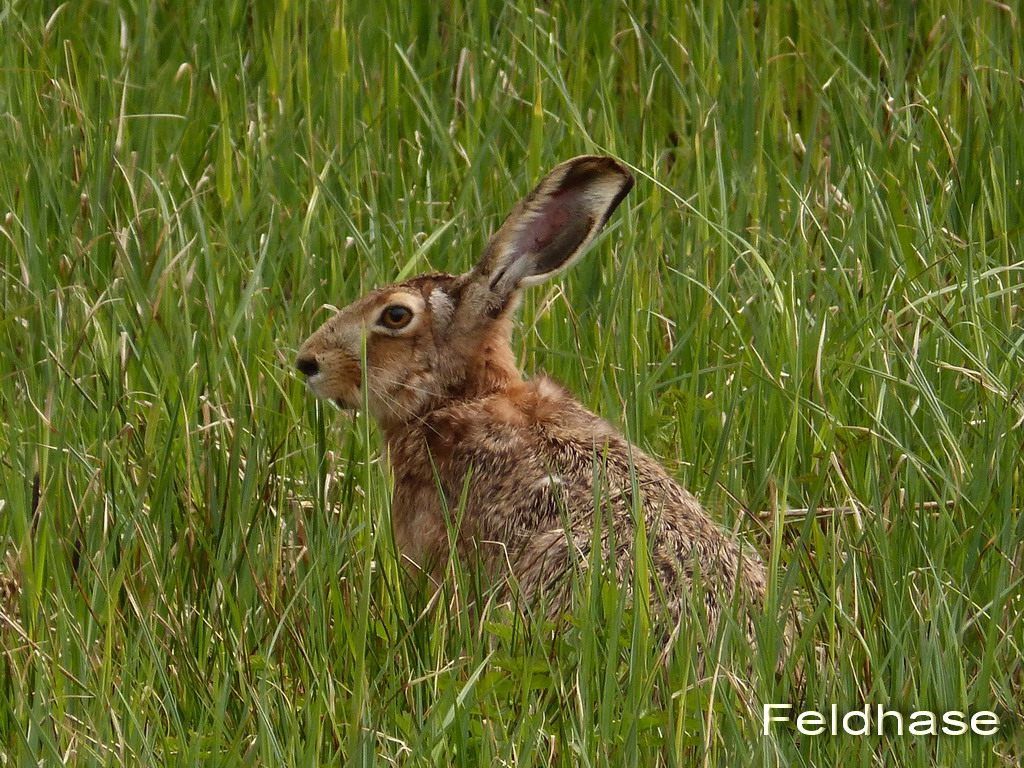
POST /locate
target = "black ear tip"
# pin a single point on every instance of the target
(627, 183)
(585, 169)
(627, 179)
(614, 165)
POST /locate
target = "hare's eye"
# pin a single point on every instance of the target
(396, 316)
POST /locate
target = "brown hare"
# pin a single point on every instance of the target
(514, 473)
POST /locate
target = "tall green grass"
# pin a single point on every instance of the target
(811, 301)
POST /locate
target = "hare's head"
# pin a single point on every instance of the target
(441, 337)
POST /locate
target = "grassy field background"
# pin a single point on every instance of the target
(812, 300)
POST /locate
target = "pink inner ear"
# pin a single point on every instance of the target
(542, 229)
(551, 235)
(549, 228)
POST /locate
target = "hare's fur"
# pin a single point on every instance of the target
(520, 470)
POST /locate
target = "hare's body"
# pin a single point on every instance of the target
(522, 472)
(515, 473)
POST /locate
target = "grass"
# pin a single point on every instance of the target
(811, 301)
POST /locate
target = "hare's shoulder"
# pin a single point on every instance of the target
(532, 417)
(537, 430)
(537, 437)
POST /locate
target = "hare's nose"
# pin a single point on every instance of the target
(308, 365)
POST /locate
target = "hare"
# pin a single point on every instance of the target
(513, 472)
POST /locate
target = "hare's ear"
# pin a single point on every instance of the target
(551, 228)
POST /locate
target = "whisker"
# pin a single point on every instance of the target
(406, 385)
(398, 407)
